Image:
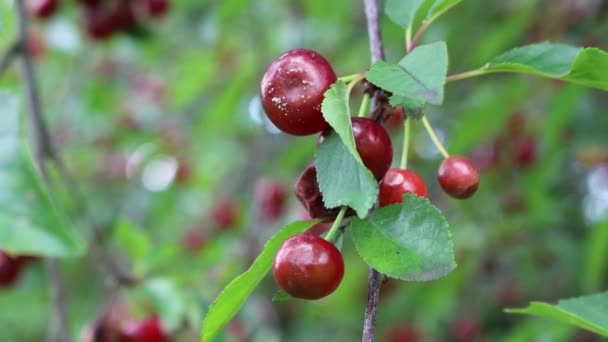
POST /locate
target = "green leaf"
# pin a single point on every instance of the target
(402, 12)
(131, 240)
(280, 296)
(414, 108)
(344, 181)
(410, 240)
(585, 66)
(29, 221)
(336, 111)
(236, 293)
(168, 299)
(589, 312)
(441, 6)
(595, 259)
(420, 75)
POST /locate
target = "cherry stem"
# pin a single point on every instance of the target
(358, 78)
(466, 74)
(406, 143)
(349, 78)
(363, 109)
(434, 137)
(335, 228)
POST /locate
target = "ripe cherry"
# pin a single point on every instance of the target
(458, 177)
(407, 333)
(193, 239)
(223, 213)
(99, 24)
(10, 269)
(308, 267)
(524, 151)
(292, 91)
(465, 329)
(157, 8)
(148, 330)
(270, 198)
(398, 182)
(308, 193)
(44, 8)
(373, 144)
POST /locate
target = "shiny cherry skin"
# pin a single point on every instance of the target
(458, 177)
(270, 198)
(44, 8)
(308, 193)
(373, 144)
(398, 182)
(292, 90)
(148, 330)
(10, 269)
(157, 8)
(308, 267)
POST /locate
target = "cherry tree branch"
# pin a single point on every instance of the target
(375, 278)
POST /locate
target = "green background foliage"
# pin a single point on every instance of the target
(126, 112)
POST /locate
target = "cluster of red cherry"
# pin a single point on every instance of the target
(11, 268)
(292, 90)
(103, 18)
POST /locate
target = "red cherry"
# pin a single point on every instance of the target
(270, 198)
(308, 193)
(524, 151)
(407, 333)
(398, 182)
(223, 214)
(99, 24)
(373, 144)
(458, 177)
(122, 16)
(157, 8)
(465, 329)
(148, 330)
(292, 91)
(10, 269)
(89, 3)
(308, 267)
(193, 240)
(394, 118)
(44, 8)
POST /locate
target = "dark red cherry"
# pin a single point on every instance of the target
(373, 144)
(270, 198)
(157, 8)
(524, 151)
(89, 3)
(292, 91)
(148, 330)
(10, 269)
(465, 329)
(224, 213)
(99, 24)
(308, 267)
(398, 182)
(404, 333)
(458, 177)
(44, 8)
(308, 193)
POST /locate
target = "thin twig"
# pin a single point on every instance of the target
(375, 278)
(8, 57)
(59, 329)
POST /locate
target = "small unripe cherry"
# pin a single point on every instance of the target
(458, 177)
(292, 90)
(308, 267)
(398, 182)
